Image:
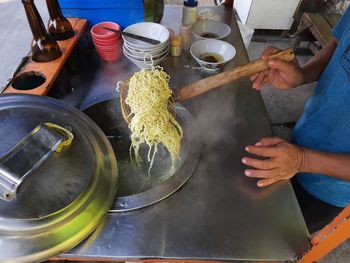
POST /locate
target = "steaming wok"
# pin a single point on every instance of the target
(136, 187)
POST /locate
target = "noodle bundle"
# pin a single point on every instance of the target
(152, 123)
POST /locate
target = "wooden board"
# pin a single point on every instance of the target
(332, 19)
(50, 70)
(320, 27)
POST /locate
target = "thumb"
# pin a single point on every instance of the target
(280, 65)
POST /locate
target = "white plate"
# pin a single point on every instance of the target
(142, 64)
(153, 51)
(147, 29)
(138, 54)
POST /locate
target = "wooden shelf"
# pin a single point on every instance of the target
(50, 70)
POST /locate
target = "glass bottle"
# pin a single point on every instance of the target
(58, 26)
(153, 10)
(44, 46)
(189, 13)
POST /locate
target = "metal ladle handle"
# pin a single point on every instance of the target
(25, 157)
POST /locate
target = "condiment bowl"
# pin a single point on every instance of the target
(203, 51)
(209, 29)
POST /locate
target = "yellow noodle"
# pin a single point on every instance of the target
(67, 136)
(152, 123)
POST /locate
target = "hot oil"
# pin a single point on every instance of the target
(209, 35)
(211, 57)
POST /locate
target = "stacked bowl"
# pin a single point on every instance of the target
(144, 54)
(108, 41)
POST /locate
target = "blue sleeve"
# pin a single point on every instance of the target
(343, 23)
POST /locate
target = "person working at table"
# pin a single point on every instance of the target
(320, 150)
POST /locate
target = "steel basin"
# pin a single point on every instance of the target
(137, 187)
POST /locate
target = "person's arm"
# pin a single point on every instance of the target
(283, 160)
(313, 69)
(331, 164)
(286, 75)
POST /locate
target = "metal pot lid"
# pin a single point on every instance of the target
(61, 197)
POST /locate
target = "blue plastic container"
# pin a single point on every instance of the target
(123, 12)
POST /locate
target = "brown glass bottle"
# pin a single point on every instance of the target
(153, 10)
(44, 46)
(59, 27)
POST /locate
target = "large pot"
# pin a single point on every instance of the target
(50, 201)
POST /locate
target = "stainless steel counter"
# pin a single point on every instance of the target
(219, 214)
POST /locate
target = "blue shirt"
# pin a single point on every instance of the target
(325, 123)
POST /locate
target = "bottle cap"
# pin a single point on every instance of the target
(191, 3)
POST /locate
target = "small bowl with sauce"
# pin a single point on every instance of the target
(212, 54)
(209, 29)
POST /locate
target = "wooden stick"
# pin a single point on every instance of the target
(207, 84)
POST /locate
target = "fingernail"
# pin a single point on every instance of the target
(244, 160)
(271, 62)
(258, 144)
(260, 184)
(247, 148)
(247, 172)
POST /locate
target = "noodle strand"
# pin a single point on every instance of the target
(148, 97)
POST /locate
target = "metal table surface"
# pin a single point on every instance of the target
(219, 214)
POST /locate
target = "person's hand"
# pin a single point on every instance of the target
(282, 160)
(281, 74)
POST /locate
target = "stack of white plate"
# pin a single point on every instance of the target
(139, 52)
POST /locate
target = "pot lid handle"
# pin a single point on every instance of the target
(28, 155)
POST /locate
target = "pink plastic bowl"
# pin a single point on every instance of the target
(109, 49)
(116, 45)
(111, 56)
(109, 53)
(100, 33)
(107, 42)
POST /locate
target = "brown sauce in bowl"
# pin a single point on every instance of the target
(211, 57)
(209, 35)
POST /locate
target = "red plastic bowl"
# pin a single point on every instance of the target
(110, 53)
(111, 56)
(116, 46)
(107, 42)
(100, 33)
(117, 50)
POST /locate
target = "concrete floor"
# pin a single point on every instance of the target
(15, 35)
(282, 106)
